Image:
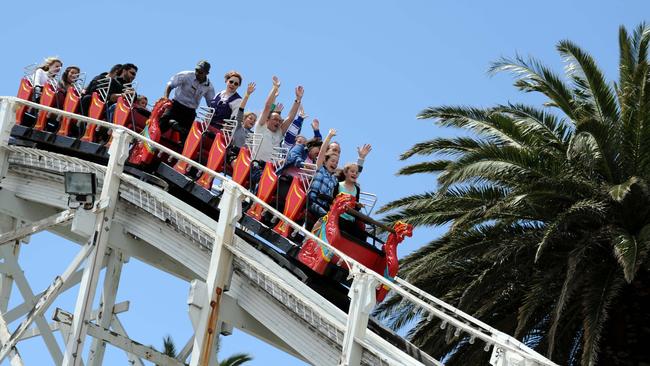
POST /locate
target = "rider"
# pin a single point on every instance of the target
(190, 87)
(272, 128)
(227, 102)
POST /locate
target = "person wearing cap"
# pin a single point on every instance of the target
(189, 87)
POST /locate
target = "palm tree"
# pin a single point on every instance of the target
(169, 349)
(548, 211)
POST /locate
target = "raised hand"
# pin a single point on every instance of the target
(303, 115)
(251, 88)
(315, 125)
(332, 131)
(300, 91)
(279, 108)
(364, 150)
(276, 81)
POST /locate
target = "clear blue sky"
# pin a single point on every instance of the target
(367, 67)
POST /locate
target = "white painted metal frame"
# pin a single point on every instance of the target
(365, 280)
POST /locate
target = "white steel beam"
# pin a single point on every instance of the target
(14, 356)
(362, 300)
(36, 314)
(37, 226)
(120, 341)
(19, 310)
(111, 282)
(207, 332)
(118, 153)
(54, 326)
(186, 351)
(6, 279)
(119, 329)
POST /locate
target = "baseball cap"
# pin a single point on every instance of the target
(203, 65)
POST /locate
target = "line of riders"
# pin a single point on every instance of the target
(185, 90)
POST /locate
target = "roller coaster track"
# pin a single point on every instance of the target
(231, 284)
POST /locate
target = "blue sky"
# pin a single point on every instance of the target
(367, 67)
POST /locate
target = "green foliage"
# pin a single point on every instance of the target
(548, 211)
(169, 349)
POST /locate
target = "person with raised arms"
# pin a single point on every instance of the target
(272, 128)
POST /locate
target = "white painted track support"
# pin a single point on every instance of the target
(362, 300)
(118, 153)
(37, 226)
(106, 311)
(6, 123)
(219, 271)
(36, 314)
(119, 329)
(6, 280)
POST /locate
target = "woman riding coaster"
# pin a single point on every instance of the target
(227, 102)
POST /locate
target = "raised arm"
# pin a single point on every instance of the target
(269, 101)
(249, 90)
(363, 151)
(315, 125)
(242, 106)
(300, 91)
(323, 148)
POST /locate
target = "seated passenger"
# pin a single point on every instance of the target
(226, 103)
(118, 87)
(298, 155)
(49, 69)
(293, 136)
(362, 151)
(141, 105)
(245, 123)
(113, 72)
(123, 74)
(189, 87)
(68, 78)
(322, 186)
(348, 185)
(272, 128)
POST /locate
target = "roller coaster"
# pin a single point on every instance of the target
(250, 262)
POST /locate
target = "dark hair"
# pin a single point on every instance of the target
(64, 77)
(315, 142)
(129, 66)
(116, 69)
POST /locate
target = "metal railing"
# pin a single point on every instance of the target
(503, 344)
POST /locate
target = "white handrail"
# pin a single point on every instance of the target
(493, 336)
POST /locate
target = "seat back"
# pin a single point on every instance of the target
(96, 109)
(26, 92)
(48, 97)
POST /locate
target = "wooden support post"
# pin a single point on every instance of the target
(207, 332)
(362, 300)
(111, 282)
(118, 154)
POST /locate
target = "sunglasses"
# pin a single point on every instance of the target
(235, 83)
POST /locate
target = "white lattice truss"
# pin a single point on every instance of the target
(231, 284)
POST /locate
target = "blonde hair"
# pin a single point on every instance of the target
(48, 62)
(249, 113)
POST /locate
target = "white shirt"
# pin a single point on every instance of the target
(40, 77)
(188, 91)
(270, 140)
